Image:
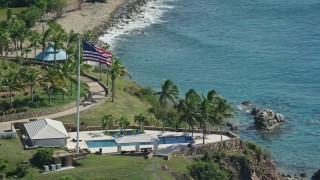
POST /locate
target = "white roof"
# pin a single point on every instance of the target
(136, 139)
(46, 129)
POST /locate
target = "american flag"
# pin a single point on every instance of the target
(95, 53)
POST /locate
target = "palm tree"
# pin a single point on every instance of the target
(140, 119)
(57, 38)
(107, 121)
(212, 97)
(24, 32)
(31, 77)
(188, 109)
(27, 51)
(123, 122)
(12, 82)
(44, 39)
(15, 28)
(4, 40)
(52, 80)
(117, 69)
(73, 69)
(34, 38)
(206, 110)
(222, 111)
(66, 71)
(169, 91)
(88, 36)
(71, 42)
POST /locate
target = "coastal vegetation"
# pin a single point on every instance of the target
(141, 105)
(27, 87)
(233, 165)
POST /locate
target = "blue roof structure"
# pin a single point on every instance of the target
(48, 55)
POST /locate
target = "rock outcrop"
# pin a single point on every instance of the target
(316, 175)
(266, 120)
(253, 163)
(232, 126)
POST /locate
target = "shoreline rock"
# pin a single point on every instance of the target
(125, 12)
(316, 175)
(265, 119)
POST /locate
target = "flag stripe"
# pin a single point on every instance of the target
(95, 53)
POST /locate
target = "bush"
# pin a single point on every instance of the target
(201, 170)
(22, 169)
(42, 157)
(31, 16)
(3, 165)
(253, 150)
(42, 6)
(146, 91)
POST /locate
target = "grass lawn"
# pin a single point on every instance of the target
(96, 166)
(125, 105)
(120, 167)
(12, 150)
(3, 12)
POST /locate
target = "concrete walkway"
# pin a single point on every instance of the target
(95, 97)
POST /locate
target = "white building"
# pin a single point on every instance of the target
(46, 132)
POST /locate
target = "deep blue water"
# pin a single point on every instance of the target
(174, 139)
(110, 143)
(267, 52)
(101, 143)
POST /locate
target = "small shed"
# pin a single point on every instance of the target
(138, 140)
(46, 132)
(48, 55)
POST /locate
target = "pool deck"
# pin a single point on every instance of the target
(163, 149)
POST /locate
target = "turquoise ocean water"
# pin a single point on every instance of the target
(267, 52)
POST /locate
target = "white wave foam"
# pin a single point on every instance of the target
(151, 13)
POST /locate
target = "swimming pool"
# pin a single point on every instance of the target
(174, 139)
(110, 143)
(101, 143)
(162, 140)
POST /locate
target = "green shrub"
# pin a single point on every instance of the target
(22, 169)
(3, 165)
(31, 16)
(41, 5)
(43, 157)
(201, 170)
(253, 150)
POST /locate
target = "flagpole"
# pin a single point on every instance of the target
(107, 77)
(78, 99)
(100, 72)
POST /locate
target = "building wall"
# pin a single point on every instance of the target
(49, 142)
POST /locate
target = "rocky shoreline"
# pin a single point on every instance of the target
(126, 11)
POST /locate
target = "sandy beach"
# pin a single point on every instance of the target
(88, 17)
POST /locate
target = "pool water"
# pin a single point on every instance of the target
(110, 143)
(101, 143)
(175, 139)
(162, 140)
